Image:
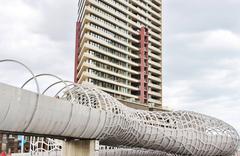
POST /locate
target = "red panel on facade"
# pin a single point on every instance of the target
(78, 32)
(144, 65)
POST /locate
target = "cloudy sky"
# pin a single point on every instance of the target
(201, 49)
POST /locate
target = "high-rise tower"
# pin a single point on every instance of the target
(119, 49)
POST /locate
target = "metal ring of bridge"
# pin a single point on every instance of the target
(66, 85)
(36, 82)
(50, 75)
(54, 84)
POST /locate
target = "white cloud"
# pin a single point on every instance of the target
(216, 92)
(222, 39)
(202, 58)
(212, 40)
(27, 36)
(35, 33)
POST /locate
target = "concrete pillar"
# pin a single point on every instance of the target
(81, 148)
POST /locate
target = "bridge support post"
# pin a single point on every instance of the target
(81, 148)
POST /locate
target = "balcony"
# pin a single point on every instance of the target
(113, 29)
(153, 63)
(158, 79)
(154, 86)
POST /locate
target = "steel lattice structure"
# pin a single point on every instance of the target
(40, 145)
(181, 132)
(93, 114)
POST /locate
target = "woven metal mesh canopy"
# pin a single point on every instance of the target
(85, 112)
(179, 132)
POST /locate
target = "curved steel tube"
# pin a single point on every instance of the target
(97, 115)
(88, 113)
(181, 132)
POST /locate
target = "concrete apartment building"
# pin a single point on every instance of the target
(119, 49)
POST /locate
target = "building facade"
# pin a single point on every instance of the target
(119, 49)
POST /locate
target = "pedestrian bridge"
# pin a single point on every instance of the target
(85, 112)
